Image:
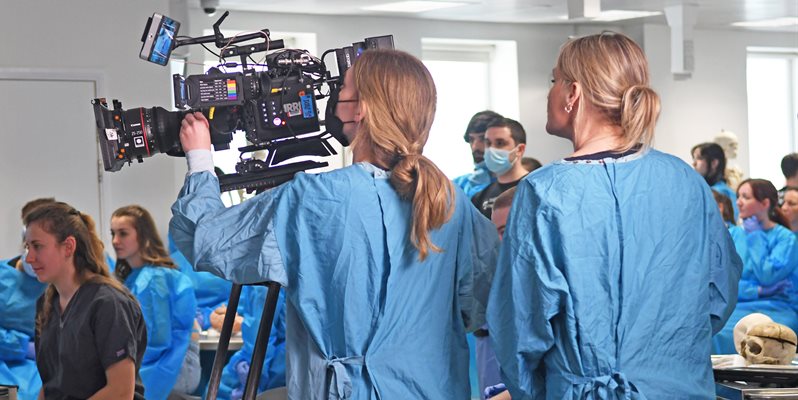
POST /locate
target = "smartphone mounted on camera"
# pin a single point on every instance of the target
(159, 39)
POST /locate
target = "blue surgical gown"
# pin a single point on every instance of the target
(250, 307)
(367, 319)
(167, 304)
(612, 277)
(18, 295)
(210, 290)
(475, 181)
(771, 257)
(724, 189)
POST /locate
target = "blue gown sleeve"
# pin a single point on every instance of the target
(725, 269)
(478, 250)
(749, 290)
(13, 345)
(528, 291)
(771, 260)
(236, 243)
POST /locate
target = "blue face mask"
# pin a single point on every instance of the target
(498, 160)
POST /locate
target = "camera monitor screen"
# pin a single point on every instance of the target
(159, 39)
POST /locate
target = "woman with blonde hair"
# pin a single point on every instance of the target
(167, 302)
(615, 268)
(384, 263)
(90, 335)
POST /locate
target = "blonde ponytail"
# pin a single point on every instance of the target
(640, 107)
(399, 97)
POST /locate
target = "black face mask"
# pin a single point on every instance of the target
(334, 125)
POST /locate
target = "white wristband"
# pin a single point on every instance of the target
(199, 160)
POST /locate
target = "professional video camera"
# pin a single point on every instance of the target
(275, 107)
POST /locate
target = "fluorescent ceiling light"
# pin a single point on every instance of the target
(768, 23)
(618, 15)
(413, 6)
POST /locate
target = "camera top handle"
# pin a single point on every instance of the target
(231, 51)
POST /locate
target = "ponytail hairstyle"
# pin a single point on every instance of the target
(764, 189)
(151, 246)
(710, 152)
(613, 73)
(397, 97)
(62, 221)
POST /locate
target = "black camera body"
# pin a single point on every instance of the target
(275, 107)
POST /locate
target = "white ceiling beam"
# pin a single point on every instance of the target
(681, 19)
(583, 9)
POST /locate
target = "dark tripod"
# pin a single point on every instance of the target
(258, 354)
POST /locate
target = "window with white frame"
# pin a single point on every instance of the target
(772, 80)
(470, 76)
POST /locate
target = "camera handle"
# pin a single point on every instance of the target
(261, 342)
(230, 51)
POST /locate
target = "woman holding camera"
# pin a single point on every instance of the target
(385, 264)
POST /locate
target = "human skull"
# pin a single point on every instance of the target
(769, 343)
(744, 324)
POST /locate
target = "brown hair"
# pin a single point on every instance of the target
(151, 246)
(62, 221)
(613, 72)
(764, 189)
(727, 210)
(29, 206)
(398, 98)
(505, 199)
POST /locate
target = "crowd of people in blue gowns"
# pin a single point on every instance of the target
(614, 272)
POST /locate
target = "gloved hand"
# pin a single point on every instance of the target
(203, 318)
(31, 351)
(774, 289)
(237, 394)
(752, 224)
(242, 370)
(494, 390)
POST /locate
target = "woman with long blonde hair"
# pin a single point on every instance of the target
(385, 265)
(615, 268)
(167, 302)
(90, 334)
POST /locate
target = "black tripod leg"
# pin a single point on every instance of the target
(262, 341)
(224, 342)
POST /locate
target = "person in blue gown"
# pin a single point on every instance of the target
(166, 297)
(385, 264)
(737, 232)
(789, 207)
(769, 283)
(478, 179)
(709, 160)
(615, 267)
(18, 294)
(19, 290)
(234, 375)
(211, 292)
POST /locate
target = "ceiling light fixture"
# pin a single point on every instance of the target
(413, 6)
(768, 23)
(619, 15)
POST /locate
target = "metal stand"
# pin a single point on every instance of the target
(262, 341)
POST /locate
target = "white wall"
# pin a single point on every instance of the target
(715, 97)
(99, 35)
